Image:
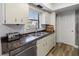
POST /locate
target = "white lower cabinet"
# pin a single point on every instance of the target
(45, 44)
(54, 41)
(40, 50)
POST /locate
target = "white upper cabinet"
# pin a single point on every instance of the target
(45, 18)
(15, 13)
(53, 19)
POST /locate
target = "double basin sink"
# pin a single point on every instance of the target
(33, 36)
(37, 34)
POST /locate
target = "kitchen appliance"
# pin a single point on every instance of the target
(49, 28)
(25, 50)
(10, 41)
(17, 47)
(13, 36)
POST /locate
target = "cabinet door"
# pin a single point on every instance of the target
(39, 47)
(11, 13)
(47, 18)
(50, 42)
(16, 13)
(54, 39)
(42, 47)
(22, 10)
(47, 44)
(39, 50)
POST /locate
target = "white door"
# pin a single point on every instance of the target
(66, 27)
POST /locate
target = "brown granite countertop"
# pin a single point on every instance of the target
(28, 39)
(24, 40)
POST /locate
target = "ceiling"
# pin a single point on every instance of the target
(58, 7)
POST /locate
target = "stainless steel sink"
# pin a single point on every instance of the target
(32, 36)
(38, 34)
(28, 38)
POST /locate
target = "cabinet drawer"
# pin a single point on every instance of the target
(40, 41)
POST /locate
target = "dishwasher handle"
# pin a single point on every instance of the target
(31, 51)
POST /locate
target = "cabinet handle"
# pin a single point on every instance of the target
(21, 20)
(15, 20)
(43, 45)
(4, 21)
(46, 43)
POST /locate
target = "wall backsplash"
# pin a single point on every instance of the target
(10, 28)
(7, 29)
(14, 28)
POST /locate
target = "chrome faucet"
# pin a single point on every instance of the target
(36, 29)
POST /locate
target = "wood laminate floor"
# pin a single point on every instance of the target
(62, 49)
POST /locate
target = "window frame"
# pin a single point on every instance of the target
(38, 17)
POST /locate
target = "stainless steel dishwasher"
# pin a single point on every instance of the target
(26, 50)
(31, 51)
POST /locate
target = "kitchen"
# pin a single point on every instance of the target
(38, 29)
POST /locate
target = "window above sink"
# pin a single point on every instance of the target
(33, 18)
